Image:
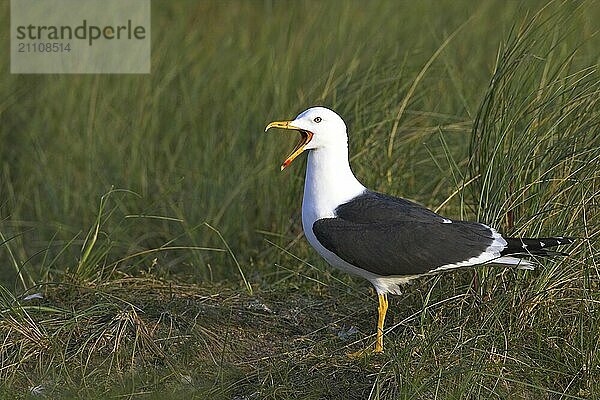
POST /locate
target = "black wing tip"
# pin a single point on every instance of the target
(548, 241)
(523, 247)
(564, 240)
(542, 253)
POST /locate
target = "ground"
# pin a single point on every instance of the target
(151, 337)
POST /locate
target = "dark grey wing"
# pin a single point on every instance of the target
(371, 207)
(391, 236)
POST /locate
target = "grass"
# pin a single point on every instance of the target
(149, 213)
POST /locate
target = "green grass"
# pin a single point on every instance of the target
(150, 212)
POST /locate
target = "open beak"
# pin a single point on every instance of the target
(305, 137)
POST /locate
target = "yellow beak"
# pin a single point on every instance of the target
(305, 137)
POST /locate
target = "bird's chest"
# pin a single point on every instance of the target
(329, 182)
(311, 212)
(317, 204)
(314, 207)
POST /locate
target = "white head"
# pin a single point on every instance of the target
(319, 127)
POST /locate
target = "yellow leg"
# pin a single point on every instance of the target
(383, 306)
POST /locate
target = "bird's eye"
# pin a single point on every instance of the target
(318, 119)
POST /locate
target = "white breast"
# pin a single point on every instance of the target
(329, 183)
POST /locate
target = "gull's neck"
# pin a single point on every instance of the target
(329, 182)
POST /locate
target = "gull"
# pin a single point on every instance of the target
(384, 239)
